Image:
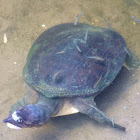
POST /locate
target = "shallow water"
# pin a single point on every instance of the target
(22, 21)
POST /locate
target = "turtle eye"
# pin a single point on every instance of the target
(19, 120)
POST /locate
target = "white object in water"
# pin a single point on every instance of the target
(43, 25)
(5, 38)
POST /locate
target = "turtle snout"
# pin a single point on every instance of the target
(7, 120)
(12, 122)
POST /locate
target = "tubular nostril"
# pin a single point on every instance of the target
(5, 120)
(8, 120)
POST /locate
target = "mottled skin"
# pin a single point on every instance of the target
(69, 62)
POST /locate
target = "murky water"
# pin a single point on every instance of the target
(23, 20)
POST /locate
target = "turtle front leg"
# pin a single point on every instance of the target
(30, 97)
(33, 115)
(20, 103)
(88, 106)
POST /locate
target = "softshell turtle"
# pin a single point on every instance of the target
(67, 66)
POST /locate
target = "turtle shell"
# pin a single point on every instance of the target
(74, 60)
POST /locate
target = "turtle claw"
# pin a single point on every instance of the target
(119, 127)
(113, 122)
(114, 125)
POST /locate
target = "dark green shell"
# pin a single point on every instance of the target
(74, 60)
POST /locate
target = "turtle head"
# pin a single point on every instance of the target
(28, 116)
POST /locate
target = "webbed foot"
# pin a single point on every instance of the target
(20, 103)
(132, 61)
(87, 106)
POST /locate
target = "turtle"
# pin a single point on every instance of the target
(67, 66)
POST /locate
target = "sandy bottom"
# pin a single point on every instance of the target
(23, 20)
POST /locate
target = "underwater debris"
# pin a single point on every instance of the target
(124, 107)
(60, 52)
(108, 24)
(96, 57)
(127, 51)
(136, 19)
(76, 21)
(43, 25)
(5, 38)
(85, 38)
(56, 74)
(97, 83)
(78, 48)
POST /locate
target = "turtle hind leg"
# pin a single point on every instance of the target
(132, 61)
(87, 106)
